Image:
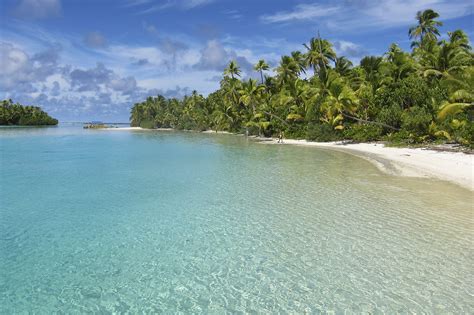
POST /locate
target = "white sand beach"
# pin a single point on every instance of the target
(456, 167)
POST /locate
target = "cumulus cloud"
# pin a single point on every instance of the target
(215, 57)
(125, 85)
(349, 49)
(20, 69)
(95, 40)
(14, 60)
(90, 79)
(37, 9)
(69, 92)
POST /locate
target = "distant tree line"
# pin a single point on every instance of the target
(423, 95)
(20, 115)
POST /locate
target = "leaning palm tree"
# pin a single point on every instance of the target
(232, 69)
(319, 54)
(426, 29)
(261, 66)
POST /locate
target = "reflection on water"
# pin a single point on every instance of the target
(144, 221)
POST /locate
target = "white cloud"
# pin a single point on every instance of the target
(180, 4)
(302, 12)
(213, 56)
(390, 13)
(354, 15)
(189, 4)
(13, 59)
(348, 49)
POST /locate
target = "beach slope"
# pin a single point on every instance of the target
(456, 167)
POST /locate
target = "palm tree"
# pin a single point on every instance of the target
(447, 60)
(287, 70)
(372, 67)
(232, 69)
(340, 98)
(426, 29)
(299, 58)
(460, 39)
(400, 64)
(261, 66)
(250, 93)
(461, 94)
(343, 66)
(319, 54)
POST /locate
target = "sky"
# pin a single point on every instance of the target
(83, 60)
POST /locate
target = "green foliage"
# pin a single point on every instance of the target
(409, 92)
(416, 120)
(405, 97)
(16, 114)
(390, 116)
(147, 124)
(363, 132)
(322, 133)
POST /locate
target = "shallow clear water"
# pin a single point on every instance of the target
(165, 222)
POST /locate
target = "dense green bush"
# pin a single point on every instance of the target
(391, 116)
(409, 92)
(416, 120)
(323, 133)
(147, 124)
(363, 132)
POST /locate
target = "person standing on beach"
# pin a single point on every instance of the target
(280, 137)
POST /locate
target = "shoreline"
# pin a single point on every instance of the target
(455, 167)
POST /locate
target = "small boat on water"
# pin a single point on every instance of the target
(95, 125)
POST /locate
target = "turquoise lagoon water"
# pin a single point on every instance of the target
(169, 222)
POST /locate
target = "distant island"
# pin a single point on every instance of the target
(425, 95)
(15, 114)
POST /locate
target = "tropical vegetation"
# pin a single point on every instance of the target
(423, 95)
(17, 114)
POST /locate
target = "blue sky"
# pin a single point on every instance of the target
(91, 60)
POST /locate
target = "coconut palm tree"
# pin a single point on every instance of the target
(287, 70)
(261, 66)
(343, 66)
(373, 70)
(250, 93)
(426, 29)
(232, 69)
(340, 99)
(319, 54)
(299, 58)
